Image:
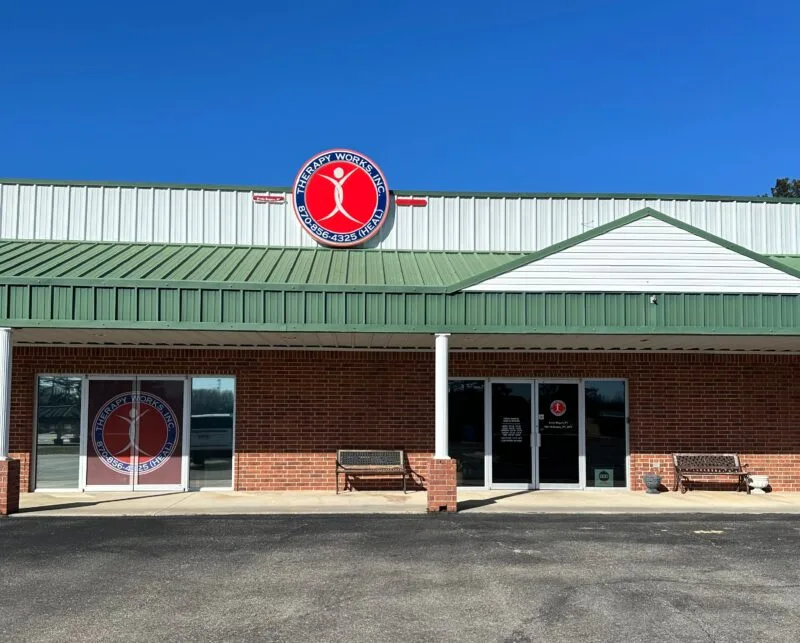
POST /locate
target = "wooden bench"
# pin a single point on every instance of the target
(364, 462)
(708, 464)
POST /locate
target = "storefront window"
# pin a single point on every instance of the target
(58, 431)
(466, 431)
(605, 433)
(211, 432)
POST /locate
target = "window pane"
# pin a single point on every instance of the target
(58, 431)
(466, 431)
(211, 432)
(605, 434)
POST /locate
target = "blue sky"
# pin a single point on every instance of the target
(563, 96)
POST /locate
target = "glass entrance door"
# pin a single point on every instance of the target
(135, 434)
(512, 413)
(559, 428)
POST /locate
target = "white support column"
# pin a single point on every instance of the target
(442, 395)
(5, 391)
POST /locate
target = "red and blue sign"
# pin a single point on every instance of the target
(135, 431)
(341, 198)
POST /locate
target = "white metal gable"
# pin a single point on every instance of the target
(645, 255)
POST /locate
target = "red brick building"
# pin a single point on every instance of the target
(187, 338)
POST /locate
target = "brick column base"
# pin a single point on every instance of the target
(442, 485)
(9, 487)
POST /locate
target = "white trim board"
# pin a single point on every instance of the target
(643, 256)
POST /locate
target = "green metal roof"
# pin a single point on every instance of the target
(792, 261)
(42, 262)
(193, 287)
(429, 193)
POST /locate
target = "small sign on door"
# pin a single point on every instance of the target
(604, 477)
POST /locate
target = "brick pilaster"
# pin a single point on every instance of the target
(9, 487)
(442, 485)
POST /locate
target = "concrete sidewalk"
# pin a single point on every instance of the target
(390, 502)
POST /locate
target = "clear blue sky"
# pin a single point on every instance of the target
(680, 96)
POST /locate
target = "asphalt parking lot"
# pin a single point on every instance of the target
(401, 578)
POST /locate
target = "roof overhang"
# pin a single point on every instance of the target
(459, 342)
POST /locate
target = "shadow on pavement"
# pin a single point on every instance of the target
(466, 505)
(75, 505)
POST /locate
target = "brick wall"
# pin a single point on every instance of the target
(9, 486)
(748, 404)
(295, 408)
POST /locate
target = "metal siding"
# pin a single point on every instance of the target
(647, 254)
(162, 217)
(18, 302)
(62, 303)
(83, 299)
(195, 222)
(372, 312)
(355, 309)
(275, 307)
(105, 304)
(40, 302)
(128, 213)
(376, 309)
(178, 215)
(127, 304)
(210, 306)
(110, 214)
(190, 305)
(332, 308)
(613, 309)
(395, 309)
(147, 304)
(4, 296)
(155, 214)
(26, 208)
(145, 216)
(232, 306)
(170, 304)
(495, 309)
(295, 308)
(475, 308)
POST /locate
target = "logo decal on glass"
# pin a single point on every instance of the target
(558, 408)
(136, 427)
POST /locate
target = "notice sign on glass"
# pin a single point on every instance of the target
(604, 477)
(511, 431)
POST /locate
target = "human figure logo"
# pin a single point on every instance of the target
(341, 198)
(558, 408)
(135, 430)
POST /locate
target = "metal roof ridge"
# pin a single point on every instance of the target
(320, 249)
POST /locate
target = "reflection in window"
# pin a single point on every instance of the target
(58, 431)
(211, 432)
(466, 440)
(605, 433)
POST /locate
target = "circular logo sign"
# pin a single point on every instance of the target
(603, 476)
(558, 408)
(341, 198)
(136, 426)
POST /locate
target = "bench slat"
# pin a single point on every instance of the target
(370, 458)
